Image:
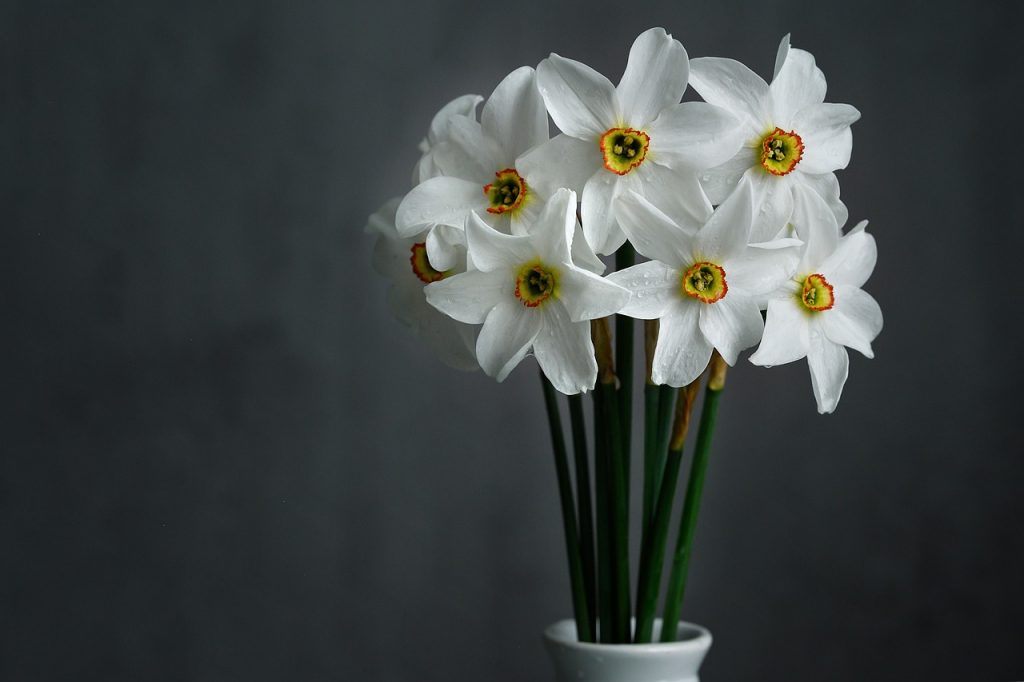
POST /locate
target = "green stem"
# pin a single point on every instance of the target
(572, 543)
(688, 524)
(602, 509)
(652, 393)
(652, 556)
(585, 504)
(624, 258)
(652, 552)
(666, 408)
(619, 518)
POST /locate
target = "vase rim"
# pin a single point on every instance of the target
(563, 632)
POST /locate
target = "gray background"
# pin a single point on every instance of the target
(223, 460)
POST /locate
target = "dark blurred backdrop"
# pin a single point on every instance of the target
(224, 460)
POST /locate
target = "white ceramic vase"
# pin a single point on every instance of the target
(676, 661)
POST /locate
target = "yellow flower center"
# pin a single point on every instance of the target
(705, 282)
(421, 266)
(781, 151)
(507, 192)
(536, 283)
(816, 293)
(624, 149)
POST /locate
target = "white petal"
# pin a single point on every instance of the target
(858, 228)
(581, 101)
(565, 352)
(676, 192)
(655, 76)
(825, 131)
(562, 161)
(468, 153)
(727, 231)
(382, 221)
(491, 250)
(468, 297)
(854, 320)
(773, 204)
(652, 233)
(682, 352)
(815, 224)
(454, 344)
(829, 364)
(732, 324)
(582, 255)
(827, 187)
(763, 268)
(720, 181)
(786, 334)
(798, 84)
(599, 225)
(443, 244)
(500, 222)
(390, 256)
(514, 114)
(464, 105)
(506, 337)
(587, 296)
(780, 55)
(655, 286)
(853, 260)
(731, 85)
(425, 168)
(695, 135)
(438, 201)
(525, 217)
(827, 154)
(553, 230)
(451, 341)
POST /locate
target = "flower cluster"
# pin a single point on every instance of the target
(495, 251)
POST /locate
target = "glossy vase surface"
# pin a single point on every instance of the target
(677, 661)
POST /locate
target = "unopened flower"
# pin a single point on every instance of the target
(476, 170)
(822, 311)
(792, 137)
(404, 262)
(529, 295)
(636, 136)
(706, 288)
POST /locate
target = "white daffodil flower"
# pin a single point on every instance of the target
(823, 310)
(529, 295)
(792, 137)
(477, 171)
(404, 262)
(706, 288)
(439, 131)
(634, 137)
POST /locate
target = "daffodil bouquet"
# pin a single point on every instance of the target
(495, 254)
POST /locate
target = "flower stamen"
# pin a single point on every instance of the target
(536, 283)
(507, 192)
(705, 282)
(781, 151)
(624, 149)
(816, 294)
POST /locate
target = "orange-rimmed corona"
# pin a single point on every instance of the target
(705, 281)
(536, 283)
(624, 149)
(816, 294)
(781, 151)
(507, 192)
(421, 266)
